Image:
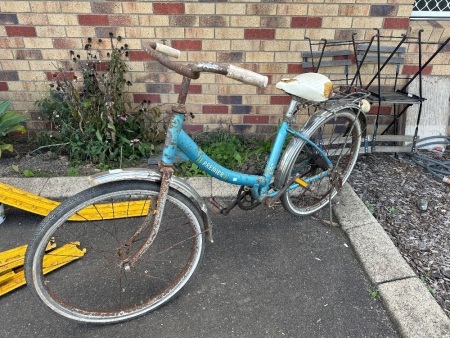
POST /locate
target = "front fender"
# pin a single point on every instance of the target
(153, 176)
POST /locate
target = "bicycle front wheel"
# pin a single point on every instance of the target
(339, 137)
(97, 232)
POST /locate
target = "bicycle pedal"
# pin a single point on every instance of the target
(216, 206)
(223, 210)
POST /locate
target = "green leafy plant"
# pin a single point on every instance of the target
(73, 172)
(374, 293)
(425, 280)
(392, 209)
(10, 121)
(90, 111)
(29, 173)
(230, 150)
(370, 207)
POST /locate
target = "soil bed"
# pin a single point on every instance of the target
(395, 189)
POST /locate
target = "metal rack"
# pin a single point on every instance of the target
(384, 52)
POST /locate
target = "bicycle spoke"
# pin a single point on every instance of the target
(100, 287)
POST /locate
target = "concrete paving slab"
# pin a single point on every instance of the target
(222, 189)
(33, 185)
(201, 184)
(414, 309)
(59, 187)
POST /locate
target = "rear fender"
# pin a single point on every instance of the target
(153, 176)
(292, 148)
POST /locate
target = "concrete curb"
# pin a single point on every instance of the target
(409, 303)
(62, 187)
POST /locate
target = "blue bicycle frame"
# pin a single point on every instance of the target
(178, 143)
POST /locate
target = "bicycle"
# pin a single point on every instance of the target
(139, 234)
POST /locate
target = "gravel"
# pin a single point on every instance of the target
(413, 207)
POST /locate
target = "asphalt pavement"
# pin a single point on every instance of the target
(267, 274)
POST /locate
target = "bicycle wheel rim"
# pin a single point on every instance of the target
(96, 288)
(339, 138)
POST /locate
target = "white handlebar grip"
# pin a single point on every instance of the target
(169, 51)
(247, 76)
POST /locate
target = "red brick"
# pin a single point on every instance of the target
(216, 109)
(411, 70)
(187, 44)
(230, 57)
(384, 110)
(11, 42)
(193, 128)
(102, 66)
(93, 20)
(139, 55)
(168, 8)
(280, 99)
(61, 43)
(295, 68)
(193, 89)
(259, 33)
(121, 20)
(59, 76)
(20, 31)
(103, 7)
(256, 119)
(306, 22)
(396, 23)
(26, 54)
(4, 86)
(183, 21)
(383, 10)
(154, 98)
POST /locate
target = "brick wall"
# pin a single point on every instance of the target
(267, 37)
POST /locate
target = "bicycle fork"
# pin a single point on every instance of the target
(166, 168)
(154, 216)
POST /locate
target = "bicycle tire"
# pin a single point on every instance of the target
(97, 288)
(341, 147)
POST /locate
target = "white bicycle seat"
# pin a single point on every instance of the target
(309, 86)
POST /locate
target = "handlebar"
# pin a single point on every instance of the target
(243, 75)
(166, 50)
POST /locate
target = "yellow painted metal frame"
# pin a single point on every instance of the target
(24, 200)
(12, 274)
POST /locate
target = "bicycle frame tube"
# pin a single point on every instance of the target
(179, 143)
(193, 152)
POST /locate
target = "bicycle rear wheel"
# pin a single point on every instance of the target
(339, 137)
(106, 222)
